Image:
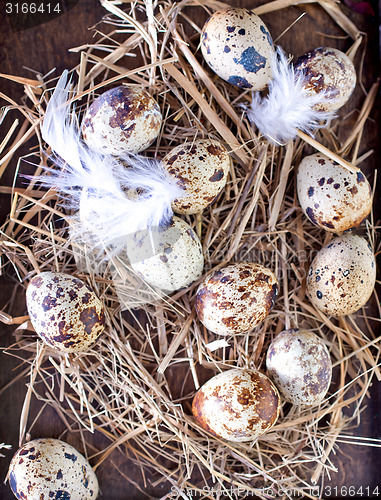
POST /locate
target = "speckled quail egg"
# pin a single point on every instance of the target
(328, 70)
(332, 197)
(122, 120)
(201, 169)
(168, 257)
(342, 275)
(238, 47)
(299, 364)
(51, 469)
(64, 311)
(236, 298)
(237, 405)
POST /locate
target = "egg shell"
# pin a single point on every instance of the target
(122, 120)
(169, 258)
(48, 468)
(237, 46)
(237, 405)
(236, 298)
(64, 311)
(201, 168)
(331, 196)
(342, 276)
(328, 70)
(299, 364)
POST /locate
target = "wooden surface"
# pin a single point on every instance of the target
(45, 47)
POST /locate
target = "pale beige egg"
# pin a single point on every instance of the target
(201, 168)
(331, 196)
(237, 405)
(237, 46)
(299, 364)
(236, 298)
(122, 120)
(64, 311)
(51, 469)
(330, 71)
(342, 276)
(168, 257)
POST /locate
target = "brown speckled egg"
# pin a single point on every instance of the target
(237, 45)
(64, 311)
(201, 168)
(331, 71)
(332, 197)
(299, 364)
(237, 405)
(236, 298)
(122, 120)
(169, 257)
(51, 469)
(341, 277)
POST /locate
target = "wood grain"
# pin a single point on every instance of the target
(46, 47)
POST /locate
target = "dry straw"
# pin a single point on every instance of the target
(136, 385)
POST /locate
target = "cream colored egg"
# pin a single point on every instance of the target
(122, 120)
(169, 258)
(237, 45)
(342, 276)
(237, 405)
(332, 197)
(201, 168)
(51, 469)
(64, 311)
(299, 364)
(331, 71)
(236, 298)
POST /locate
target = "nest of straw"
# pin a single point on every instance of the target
(127, 387)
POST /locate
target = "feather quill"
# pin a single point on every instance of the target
(101, 188)
(288, 107)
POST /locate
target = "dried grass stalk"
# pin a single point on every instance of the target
(135, 386)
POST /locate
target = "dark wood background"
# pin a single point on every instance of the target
(44, 47)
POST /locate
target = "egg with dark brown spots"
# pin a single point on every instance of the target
(236, 298)
(299, 364)
(329, 71)
(64, 311)
(237, 46)
(201, 169)
(169, 257)
(122, 120)
(237, 405)
(342, 276)
(331, 196)
(48, 468)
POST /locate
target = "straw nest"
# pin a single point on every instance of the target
(135, 386)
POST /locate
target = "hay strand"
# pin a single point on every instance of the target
(136, 385)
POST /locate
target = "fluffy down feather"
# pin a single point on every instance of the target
(287, 107)
(98, 186)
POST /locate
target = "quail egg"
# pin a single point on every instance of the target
(236, 298)
(342, 276)
(237, 405)
(328, 70)
(299, 364)
(64, 311)
(201, 168)
(168, 257)
(332, 197)
(122, 120)
(49, 468)
(238, 47)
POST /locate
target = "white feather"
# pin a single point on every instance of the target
(96, 184)
(288, 107)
